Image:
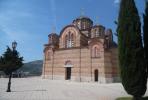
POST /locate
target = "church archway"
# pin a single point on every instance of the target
(68, 73)
(68, 66)
(96, 74)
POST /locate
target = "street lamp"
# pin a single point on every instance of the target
(14, 44)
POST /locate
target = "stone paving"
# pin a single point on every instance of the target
(44, 89)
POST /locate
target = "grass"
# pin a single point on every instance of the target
(130, 98)
(124, 98)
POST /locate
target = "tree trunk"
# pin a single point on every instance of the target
(147, 68)
(9, 83)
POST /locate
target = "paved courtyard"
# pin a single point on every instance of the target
(44, 89)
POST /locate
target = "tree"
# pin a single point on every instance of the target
(131, 52)
(10, 62)
(145, 30)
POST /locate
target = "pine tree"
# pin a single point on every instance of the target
(131, 52)
(145, 30)
(10, 62)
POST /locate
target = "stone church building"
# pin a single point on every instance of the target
(81, 52)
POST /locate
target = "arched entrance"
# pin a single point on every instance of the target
(96, 75)
(68, 73)
(68, 66)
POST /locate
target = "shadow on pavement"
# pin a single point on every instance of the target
(30, 90)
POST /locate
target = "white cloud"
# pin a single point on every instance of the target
(116, 1)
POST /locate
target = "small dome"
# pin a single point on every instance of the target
(52, 34)
(84, 18)
(108, 32)
(53, 38)
(97, 31)
(109, 35)
(83, 22)
(99, 26)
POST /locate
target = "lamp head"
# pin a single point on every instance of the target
(14, 44)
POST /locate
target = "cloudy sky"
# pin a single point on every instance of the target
(30, 21)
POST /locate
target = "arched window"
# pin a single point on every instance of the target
(96, 52)
(96, 33)
(79, 25)
(69, 40)
(48, 56)
(72, 40)
(93, 33)
(84, 25)
(66, 41)
(100, 32)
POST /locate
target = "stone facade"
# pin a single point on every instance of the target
(82, 52)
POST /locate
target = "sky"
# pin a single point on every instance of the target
(29, 22)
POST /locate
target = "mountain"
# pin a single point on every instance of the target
(33, 68)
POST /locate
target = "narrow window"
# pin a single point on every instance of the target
(72, 40)
(66, 41)
(100, 32)
(96, 52)
(97, 33)
(69, 40)
(48, 56)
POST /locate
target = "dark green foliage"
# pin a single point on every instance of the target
(10, 61)
(1, 60)
(145, 30)
(131, 52)
(130, 98)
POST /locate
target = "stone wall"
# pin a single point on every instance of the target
(84, 65)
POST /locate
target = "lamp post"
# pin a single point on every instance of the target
(14, 44)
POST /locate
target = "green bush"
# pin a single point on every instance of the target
(130, 98)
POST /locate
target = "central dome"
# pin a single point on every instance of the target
(83, 18)
(83, 22)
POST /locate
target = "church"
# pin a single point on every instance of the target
(81, 52)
